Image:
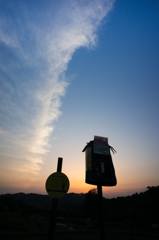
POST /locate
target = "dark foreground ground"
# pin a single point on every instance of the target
(83, 236)
(133, 217)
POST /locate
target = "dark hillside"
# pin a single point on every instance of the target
(32, 198)
(72, 199)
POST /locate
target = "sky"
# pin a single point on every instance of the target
(70, 70)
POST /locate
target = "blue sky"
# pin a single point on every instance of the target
(70, 70)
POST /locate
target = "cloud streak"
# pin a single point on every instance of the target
(36, 43)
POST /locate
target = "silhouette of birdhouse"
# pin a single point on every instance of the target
(99, 165)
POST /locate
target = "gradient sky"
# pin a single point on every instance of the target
(70, 70)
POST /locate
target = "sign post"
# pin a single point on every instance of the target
(57, 186)
(101, 215)
(100, 171)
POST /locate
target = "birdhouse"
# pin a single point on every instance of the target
(99, 165)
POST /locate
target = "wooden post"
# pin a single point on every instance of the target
(54, 207)
(101, 215)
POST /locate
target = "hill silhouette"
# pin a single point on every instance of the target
(46, 200)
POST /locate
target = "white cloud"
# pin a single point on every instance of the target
(36, 47)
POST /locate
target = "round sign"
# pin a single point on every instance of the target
(57, 185)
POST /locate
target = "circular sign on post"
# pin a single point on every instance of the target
(57, 185)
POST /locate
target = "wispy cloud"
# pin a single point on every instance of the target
(36, 42)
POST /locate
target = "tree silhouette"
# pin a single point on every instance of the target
(90, 207)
